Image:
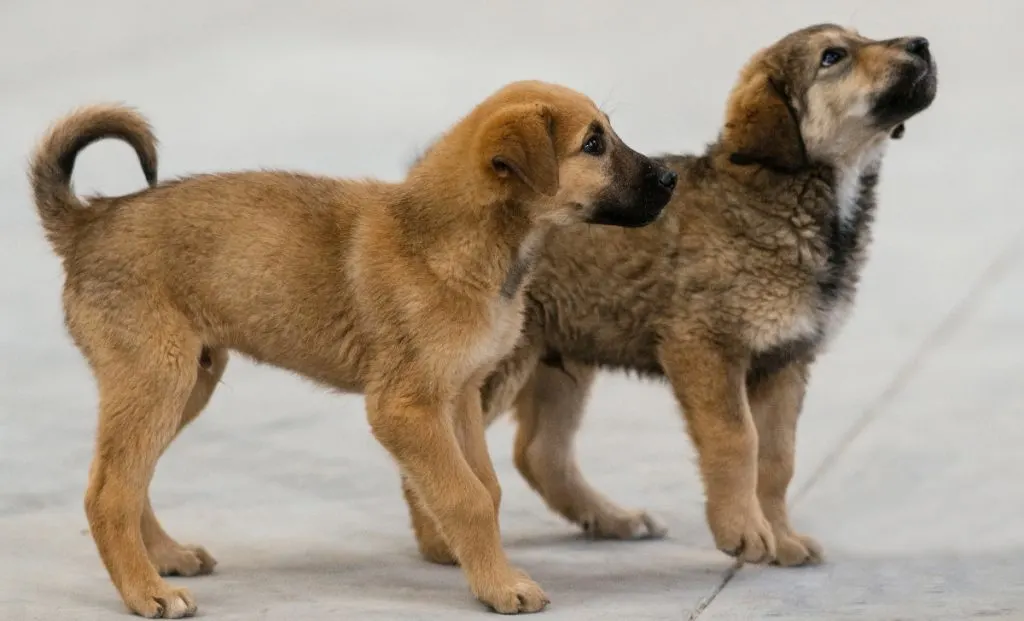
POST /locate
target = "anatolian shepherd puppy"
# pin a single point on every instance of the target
(409, 292)
(730, 295)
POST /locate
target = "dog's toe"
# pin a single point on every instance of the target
(516, 594)
(795, 550)
(161, 601)
(743, 533)
(177, 560)
(622, 524)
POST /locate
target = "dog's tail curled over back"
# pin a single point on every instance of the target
(54, 160)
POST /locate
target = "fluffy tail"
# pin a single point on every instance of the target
(54, 160)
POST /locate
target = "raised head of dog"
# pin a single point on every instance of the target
(826, 95)
(550, 151)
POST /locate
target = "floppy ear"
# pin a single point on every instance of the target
(517, 140)
(761, 126)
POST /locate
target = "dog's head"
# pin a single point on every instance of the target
(549, 150)
(826, 94)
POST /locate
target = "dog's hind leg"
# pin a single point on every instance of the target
(170, 557)
(548, 410)
(145, 379)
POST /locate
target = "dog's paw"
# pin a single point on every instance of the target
(512, 593)
(741, 531)
(795, 550)
(177, 560)
(616, 523)
(161, 601)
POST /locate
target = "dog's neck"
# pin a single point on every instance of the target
(848, 174)
(470, 246)
(843, 175)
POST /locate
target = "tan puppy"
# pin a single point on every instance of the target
(730, 295)
(409, 292)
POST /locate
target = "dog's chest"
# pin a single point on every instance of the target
(500, 333)
(827, 299)
(802, 330)
(507, 325)
(501, 324)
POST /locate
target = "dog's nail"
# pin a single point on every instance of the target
(738, 550)
(521, 599)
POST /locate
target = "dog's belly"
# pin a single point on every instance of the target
(770, 361)
(607, 348)
(331, 353)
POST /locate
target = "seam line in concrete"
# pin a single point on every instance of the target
(710, 597)
(955, 320)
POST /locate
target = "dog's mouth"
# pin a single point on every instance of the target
(911, 92)
(626, 217)
(640, 200)
(635, 215)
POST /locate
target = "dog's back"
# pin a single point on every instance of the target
(251, 260)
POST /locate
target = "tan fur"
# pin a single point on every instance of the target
(408, 292)
(730, 295)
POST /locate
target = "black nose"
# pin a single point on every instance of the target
(668, 179)
(918, 46)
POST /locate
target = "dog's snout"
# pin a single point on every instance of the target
(918, 46)
(668, 179)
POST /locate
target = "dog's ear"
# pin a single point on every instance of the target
(761, 126)
(518, 141)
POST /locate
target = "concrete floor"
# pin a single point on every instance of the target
(909, 454)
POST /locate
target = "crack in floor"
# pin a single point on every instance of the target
(935, 340)
(710, 597)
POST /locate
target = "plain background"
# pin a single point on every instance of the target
(909, 461)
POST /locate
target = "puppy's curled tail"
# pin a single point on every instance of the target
(54, 160)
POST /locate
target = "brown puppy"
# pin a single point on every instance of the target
(409, 292)
(730, 295)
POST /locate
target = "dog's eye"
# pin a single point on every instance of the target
(831, 56)
(594, 145)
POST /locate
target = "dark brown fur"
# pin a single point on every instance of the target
(730, 295)
(409, 292)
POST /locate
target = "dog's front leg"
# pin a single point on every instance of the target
(775, 402)
(711, 387)
(469, 426)
(432, 544)
(420, 433)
